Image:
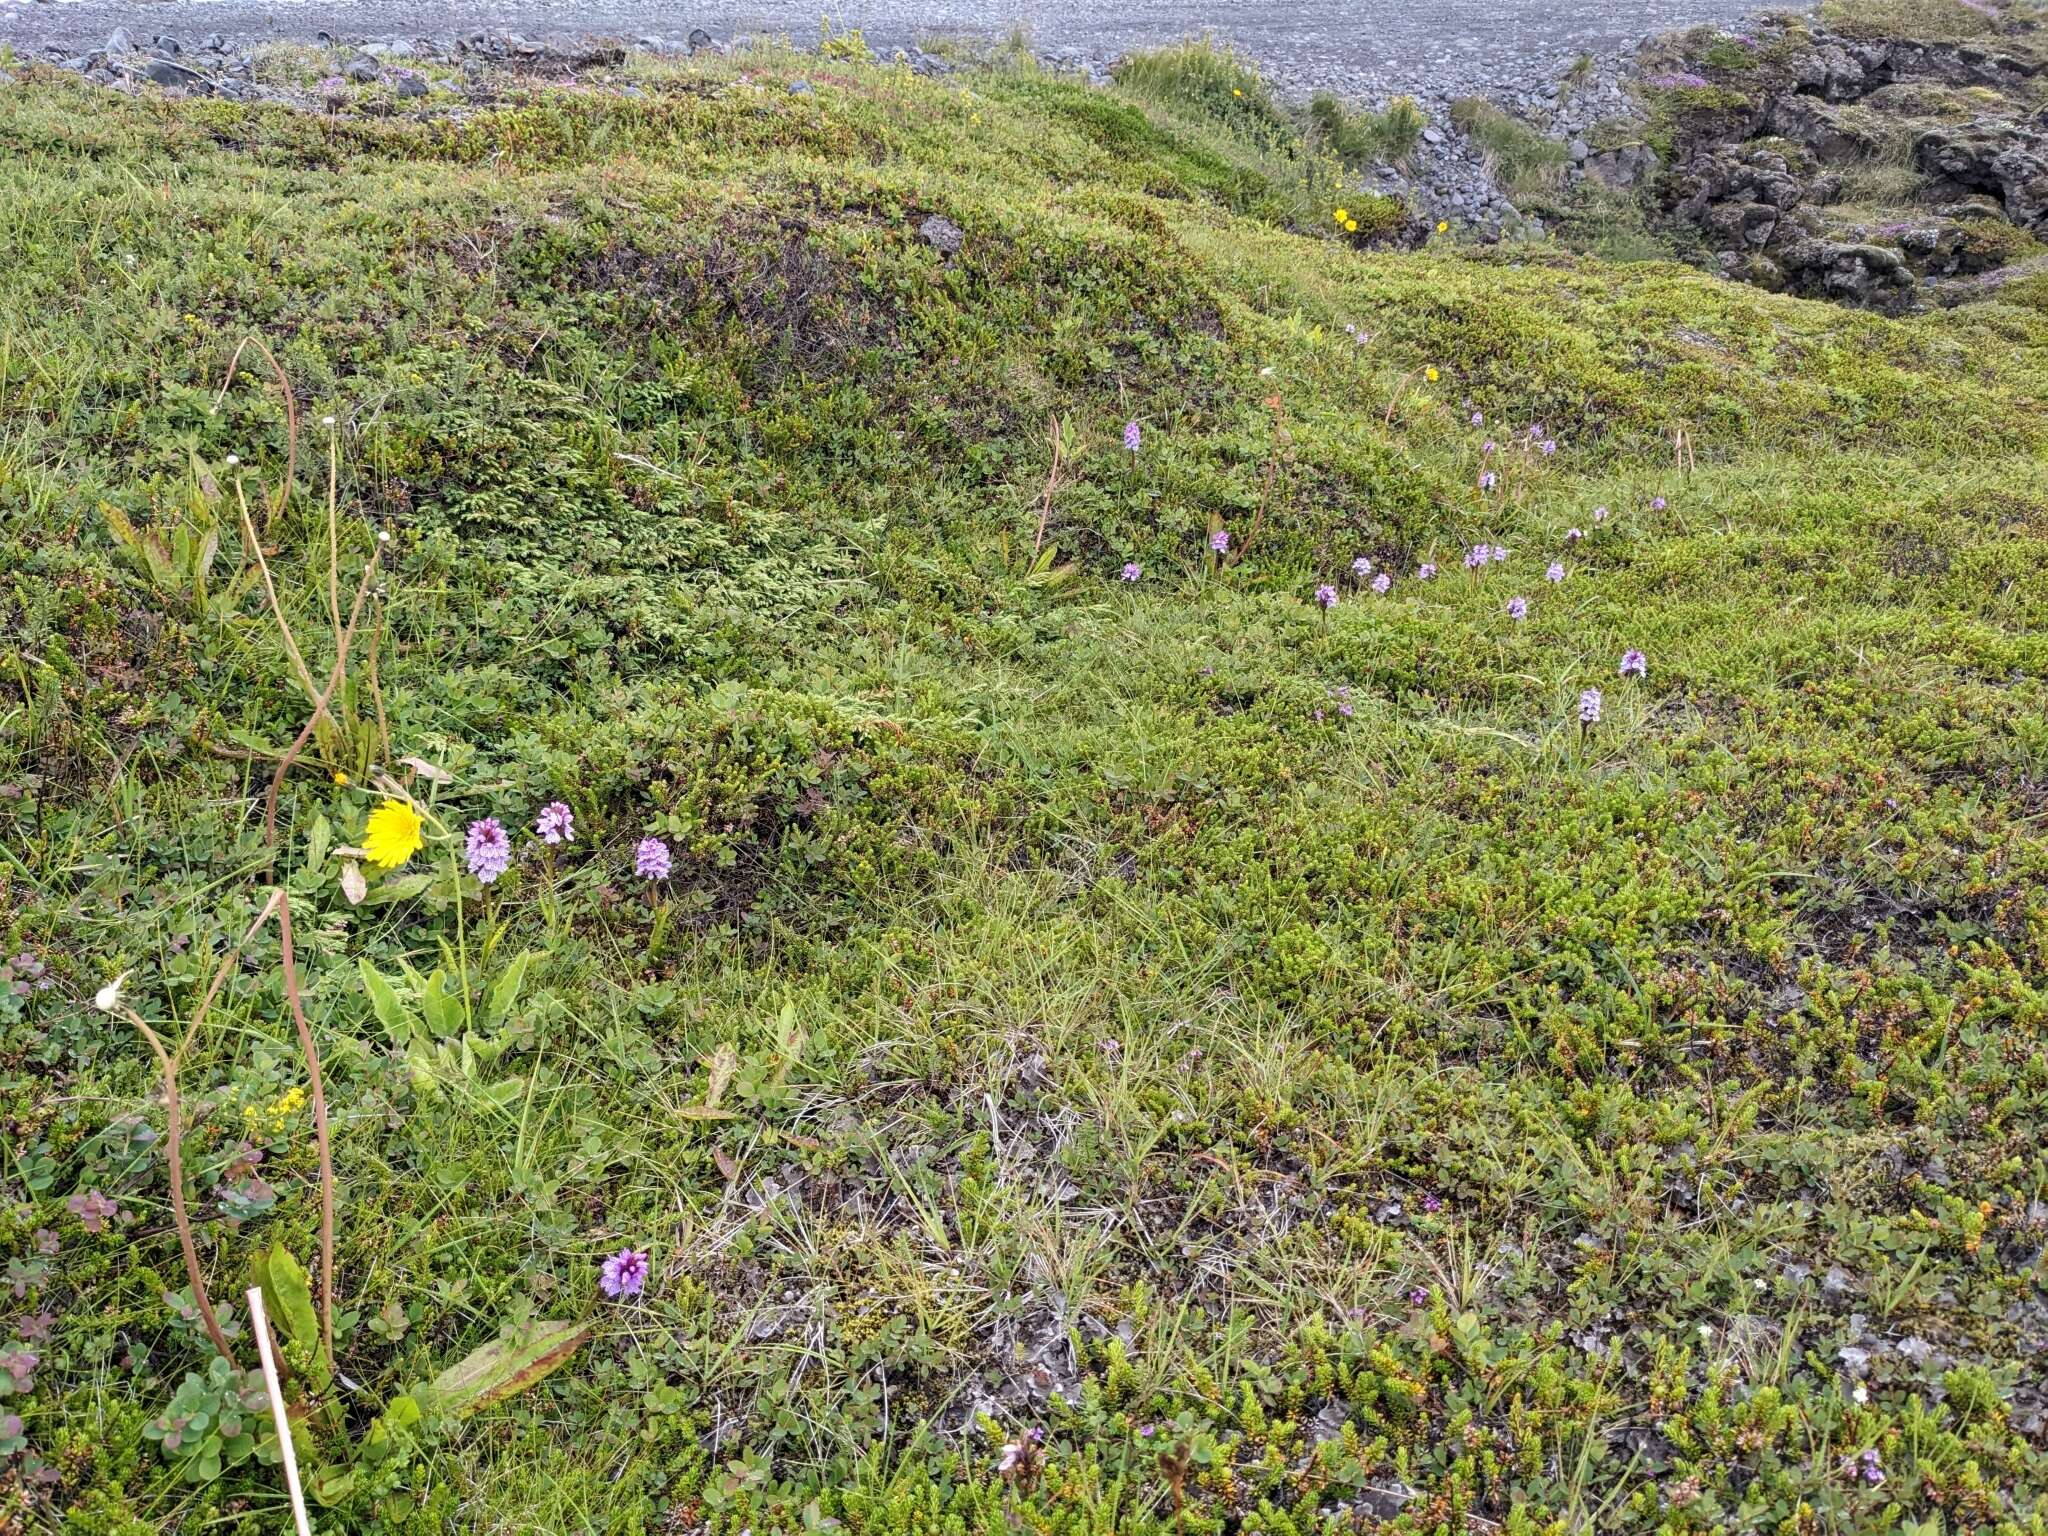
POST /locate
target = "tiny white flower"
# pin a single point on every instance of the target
(108, 998)
(233, 460)
(383, 536)
(1266, 372)
(326, 421)
(1861, 1394)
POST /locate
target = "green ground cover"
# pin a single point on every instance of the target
(1106, 1055)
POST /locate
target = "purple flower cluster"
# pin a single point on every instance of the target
(1426, 571)
(1633, 664)
(25, 974)
(624, 1273)
(1477, 556)
(1518, 608)
(1383, 584)
(1589, 707)
(1131, 571)
(1556, 572)
(1220, 541)
(1361, 567)
(1326, 596)
(489, 849)
(555, 824)
(1132, 436)
(1868, 1467)
(652, 860)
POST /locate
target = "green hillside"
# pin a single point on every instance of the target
(1105, 1055)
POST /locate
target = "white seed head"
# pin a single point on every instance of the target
(326, 421)
(108, 998)
(233, 459)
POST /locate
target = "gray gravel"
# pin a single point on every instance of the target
(1365, 48)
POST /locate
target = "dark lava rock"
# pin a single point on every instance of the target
(2006, 159)
(173, 77)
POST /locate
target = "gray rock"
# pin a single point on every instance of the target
(799, 87)
(173, 77)
(2006, 159)
(942, 234)
(214, 43)
(359, 67)
(1624, 168)
(409, 86)
(168, 46)
(1432, 135)
(119, 42)
(1581, 150)
(6, 78)
(699, 39)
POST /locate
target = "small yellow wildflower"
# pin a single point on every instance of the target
(1342, 215)
(1429, 374)
(1442, 225)
(1351, 226)
(393, 835)
(341, 778)
(1235, 91)
(267, 1122)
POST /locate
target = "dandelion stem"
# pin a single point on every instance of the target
(323, 1143)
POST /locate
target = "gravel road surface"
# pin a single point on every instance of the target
(1366, 47)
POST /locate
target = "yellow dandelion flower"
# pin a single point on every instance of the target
(393, 835)
(1429, 374)
(341, 778)
(1235, 91)
(1351, 226)
(1342, 215)
(1442, 225)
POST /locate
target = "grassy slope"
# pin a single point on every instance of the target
(1160, 1031)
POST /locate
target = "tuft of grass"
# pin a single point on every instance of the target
(1525, 157)
(1927, 20)
(1205, 81)
(1358, 136)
